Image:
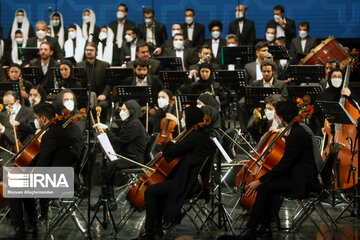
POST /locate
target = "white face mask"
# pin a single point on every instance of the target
(37, 124)
(31, 100)
(174, 32)
(41, 34)
(128, 38)
(178, 44)
(270, 114)
(56, 22)
(120, 14)
(231, 45)
(19, 19)
(102, 35)
(72, 35)
(336, 82)
(86, 19)
(239, 14)
(162, 102)
(14, 108)
(148, 21)
(182, 123)
(303, 34)
(215, 34)
(69, 105)
(189, 20)
(199, 106)
(277, 18)
(19, 40)
(270, 37)
(124, 115)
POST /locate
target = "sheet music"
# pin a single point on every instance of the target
(222, 150)
(106, 146)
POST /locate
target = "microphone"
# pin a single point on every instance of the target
(97, 39)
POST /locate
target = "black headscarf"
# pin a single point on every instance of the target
(193, 115)
(134, 109)
(70, 65)
(168, 92)
(211, 78)
(331, 93)
(208, 99)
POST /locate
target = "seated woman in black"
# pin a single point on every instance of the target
(67, 76)
(130, 142)
(164, 200)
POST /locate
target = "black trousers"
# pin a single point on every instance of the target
(263, 206)
(17, 208)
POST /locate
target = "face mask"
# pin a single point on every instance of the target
(128, 38)
(277, 18)
(72, 35)
(20, 19)
(199, 106)
(215, 34)
(102, 35)
(336, 82)
(69, 105)
(86, 19)
(270, 37)
(239, 15)
(189, 20)
(162, 102)
(123, 115)
(41, 34)
(19, 40)
(178, 44)
(148, 21)
(182, 123)
(231, 45)
(14, 108)
(303, 34)
(174, 32)
(31, 100)
(37, 125)
(120, 14)
(56, 22)
(270, 114)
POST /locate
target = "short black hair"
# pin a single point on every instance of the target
(333, 60)
(149, 10)
(123, 5)
(268, 63)
(47, 43)
(15, 65)
(215, 23)
(141, 63)
(232, 36)
(132, 28)
(282, 40)
(260, 45)
(287, 110)
(279, 7)
(44, 109)
(305, 23)
(142, 45)
(190, 9)
(18, 31)
(91, 44)
(179, 34)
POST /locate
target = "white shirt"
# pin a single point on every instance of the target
(241, 26)
(190, 31)
(269, 84)
(119, 35)
(259, 75)
(180, 54)
(150, 36)
(38, 42)
(280, 32)
(283, 62)
(215, 46)
(133, 50)
(142, 83)
(44, 67)
(13, 116)
(303, 43)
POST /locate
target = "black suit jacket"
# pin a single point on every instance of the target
(296, 51)
(155, 66)
(47, 80)
(189, 55)
(160, 33)
(290, 28)
(25, 130)
(218, 58)
(152, 81)
(297, 164)
(7, 139)
(248, 35)
(276, 84)
(114, 26)
(58, 52)
(198, 34)
(125, 51)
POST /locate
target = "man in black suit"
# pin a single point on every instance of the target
(252, 69)
(179, 49)
(121, 24)
(283, 72)
(216, 42)
(142, 51)
(45, 63)
(295, 174)
(301, 46)
(205, 55)
(151, 31)
(128, 49)
(41, 28)
(143, 78)
(242, 27)
(285, 27)
(194, 32)
(96, 75)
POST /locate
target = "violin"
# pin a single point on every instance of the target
(18, 144)
(167, 127)
(161, 169)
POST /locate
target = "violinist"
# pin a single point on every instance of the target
(164, 200)
(295, 174)
(7, 139)
(129, 141)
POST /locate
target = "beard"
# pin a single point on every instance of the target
(140, 76)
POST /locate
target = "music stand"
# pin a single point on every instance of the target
(9, 86)
(307, 74)
(173, 79)
(231, 80)
(278, 52)
(238, 55)
(255, 96)
(32, 74)
(143, 94)
(116, 76)
(7, 73)
(80, 73)
(170, 63)
(80, 94)
(187, 99)
(300, 91)
(28, 53)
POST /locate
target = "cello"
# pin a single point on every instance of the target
(167, 127)
(269, 152)
(161, 169)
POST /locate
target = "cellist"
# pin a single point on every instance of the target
(294, 175)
